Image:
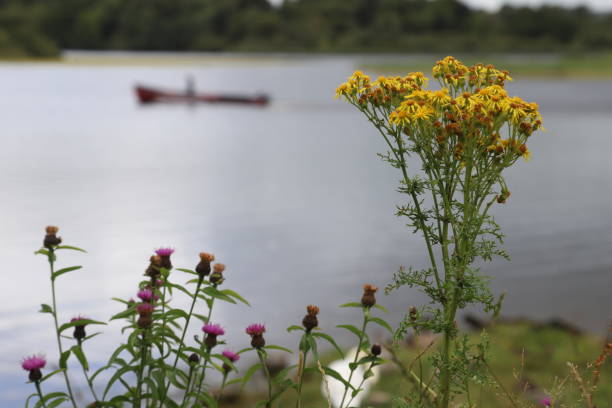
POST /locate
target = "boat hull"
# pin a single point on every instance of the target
(148, 95)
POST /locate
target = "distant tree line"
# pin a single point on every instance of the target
(43, 27)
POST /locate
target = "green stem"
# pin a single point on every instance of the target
(366, 313)
(93, 392)
(143, 352)
(298, 404)
(222, 386)
(57, 333)
(181, 343)
(268, 377)
(185, 397)
(200, 379)
(40, 394)
(360, 384)
(202, 376)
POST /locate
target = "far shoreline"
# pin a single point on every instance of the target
(545, 65)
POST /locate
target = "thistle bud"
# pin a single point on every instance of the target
(376, 350)
(145, 311)
(217, 276)
(203, 268)
(154, 266)
(79, 330)
(51, 240)
(194, 358)
(144, 321)
(310, 321)
(368, 299)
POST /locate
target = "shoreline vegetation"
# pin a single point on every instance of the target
(591, 65)
(44, 28)
(552, 65)
(530, 358)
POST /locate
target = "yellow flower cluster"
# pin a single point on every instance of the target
(381, 91)
(451, 72)
(357, 83)
(465, 115)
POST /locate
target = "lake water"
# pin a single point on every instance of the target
(291, 197)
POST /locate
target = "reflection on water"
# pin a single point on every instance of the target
(291, 197)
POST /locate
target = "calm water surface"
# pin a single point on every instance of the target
(291, 197)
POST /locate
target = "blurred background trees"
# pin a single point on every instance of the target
(44, 27)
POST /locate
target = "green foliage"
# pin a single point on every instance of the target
(41, 28)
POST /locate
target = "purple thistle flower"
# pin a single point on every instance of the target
(546, 401)
(32, 363)
(145, 308)
(164, 251)
(231, 356)
(146, 295)
(213, 329)
(256, 329)
(164, 255)
(77, 318)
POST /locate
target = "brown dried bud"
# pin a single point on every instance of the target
(51, 240)
(217, 276)
(368, 299)
(155, 263)
(205, 256)
(501, 199)
(376, 350)
(312, 310)
(194, 358)
(203, 268)
(310, 321)
(413, 313)
(258, 341)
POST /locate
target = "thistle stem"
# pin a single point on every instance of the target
(268, 377)
(298, 403)
(203, 371)
(222, 386)
(57, 333)
(181, 343)
(360, 384)
(143, 352)
(366, 313)
(89, 383)
(40, 394)
(186, 396)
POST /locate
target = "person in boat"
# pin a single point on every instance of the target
(190, 92)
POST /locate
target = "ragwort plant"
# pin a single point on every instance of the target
(158, 367)
(464, 134)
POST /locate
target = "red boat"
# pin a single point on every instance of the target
(148, 95)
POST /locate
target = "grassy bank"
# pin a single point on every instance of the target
(560, 66)
(530, 361)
